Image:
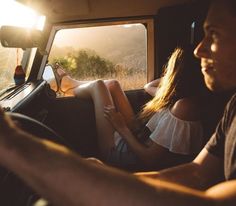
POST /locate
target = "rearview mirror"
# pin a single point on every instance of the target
(18, 37)
(49, 76)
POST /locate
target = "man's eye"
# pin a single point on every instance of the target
(214, 35)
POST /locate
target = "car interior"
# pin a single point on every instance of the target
(45, 111)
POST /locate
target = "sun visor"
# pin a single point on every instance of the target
(57, 10)
(19, 37)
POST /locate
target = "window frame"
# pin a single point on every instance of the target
(148, 22)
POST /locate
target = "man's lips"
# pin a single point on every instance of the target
(207, 69)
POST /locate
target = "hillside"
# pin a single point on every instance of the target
(121, 45)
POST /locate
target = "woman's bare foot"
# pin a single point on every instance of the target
(66, 83)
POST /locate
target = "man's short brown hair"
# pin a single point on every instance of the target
(231, 5)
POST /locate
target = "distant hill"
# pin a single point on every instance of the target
(119, 44)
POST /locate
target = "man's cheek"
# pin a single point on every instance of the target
(214, 48)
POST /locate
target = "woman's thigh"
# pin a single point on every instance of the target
(101, 97)
(121, 101)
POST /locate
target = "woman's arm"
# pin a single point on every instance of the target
(151, 153)
(151, 87)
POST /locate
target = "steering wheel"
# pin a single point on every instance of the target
(36, 128)
(13, 190)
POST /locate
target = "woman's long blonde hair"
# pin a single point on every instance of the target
(180, 79)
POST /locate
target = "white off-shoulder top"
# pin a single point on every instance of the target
(177, 135)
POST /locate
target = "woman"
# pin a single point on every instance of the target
(173, 133)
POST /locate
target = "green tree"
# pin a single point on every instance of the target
(92, 65)
(86, 63)
(68, 63)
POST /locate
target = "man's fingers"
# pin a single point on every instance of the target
(2, 116)
(5, 120)
(1, 111)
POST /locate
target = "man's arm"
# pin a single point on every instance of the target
(66, 179)
(205, 171)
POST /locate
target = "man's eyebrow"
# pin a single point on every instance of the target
(208, 26)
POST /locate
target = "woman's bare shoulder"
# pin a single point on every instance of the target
(187, 109)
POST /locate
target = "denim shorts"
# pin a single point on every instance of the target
(121, 156)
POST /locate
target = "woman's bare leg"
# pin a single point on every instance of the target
(121, 101)
(102, 94)
(68, 85)
(98, 91)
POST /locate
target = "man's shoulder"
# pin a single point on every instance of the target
(231, 105)
(233, 99)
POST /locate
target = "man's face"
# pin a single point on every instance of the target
(218, 48)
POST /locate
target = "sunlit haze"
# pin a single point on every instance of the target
(92, 36)
(15, 14)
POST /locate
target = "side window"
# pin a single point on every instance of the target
(103, 52)
(17, 60)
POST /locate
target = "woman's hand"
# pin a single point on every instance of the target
(116, 118)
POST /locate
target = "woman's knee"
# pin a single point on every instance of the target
(113, 85)
(98, 85)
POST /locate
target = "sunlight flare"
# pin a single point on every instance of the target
(15, 14)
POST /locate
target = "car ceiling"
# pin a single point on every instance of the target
(67, 10)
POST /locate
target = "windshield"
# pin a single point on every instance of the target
(16, 60)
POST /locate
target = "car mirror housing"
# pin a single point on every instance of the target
(19, 37)
(49, 76)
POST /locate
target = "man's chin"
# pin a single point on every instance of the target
(216, 88)
(212, 86)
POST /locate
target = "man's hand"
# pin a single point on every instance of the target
(6, 124)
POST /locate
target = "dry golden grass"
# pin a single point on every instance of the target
(6, 80)
(127, 82)
(130, 82)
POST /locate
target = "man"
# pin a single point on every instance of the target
(66, 179)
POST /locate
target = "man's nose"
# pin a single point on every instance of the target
(201, 51)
